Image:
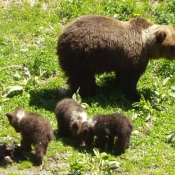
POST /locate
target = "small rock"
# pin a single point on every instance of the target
(8, 159)
(119, 170)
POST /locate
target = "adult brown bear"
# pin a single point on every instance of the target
(95, 44)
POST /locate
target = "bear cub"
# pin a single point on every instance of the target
(34, 129)
(106, 128)
(70, 116)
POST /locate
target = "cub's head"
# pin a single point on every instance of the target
(165, 40)
(15, 118)
(75, 128)
(87, 133)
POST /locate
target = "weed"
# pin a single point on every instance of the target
(94, 165)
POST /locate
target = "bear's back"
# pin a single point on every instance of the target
(90, 40)
(34, 123)
(113, 122)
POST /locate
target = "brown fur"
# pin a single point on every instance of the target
(69, 118)
(110, 126)
(34, 129)
(95, 44)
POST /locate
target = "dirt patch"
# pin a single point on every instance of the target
(10, 153)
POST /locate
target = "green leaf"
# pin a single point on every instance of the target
(84, 105)
(14, 90)
(172, 95)
(173, 87)
(96, 152)
(165, 80)
(114, 163)
(76, 96)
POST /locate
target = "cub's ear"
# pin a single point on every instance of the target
(10, 115)
(160, 36)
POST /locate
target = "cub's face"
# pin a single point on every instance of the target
(87, 134)
(75, 128)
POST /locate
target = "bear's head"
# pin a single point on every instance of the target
(87, 133)
(75, 129)
(165, 41)
(13, 118)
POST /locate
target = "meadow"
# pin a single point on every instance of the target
(30, 77)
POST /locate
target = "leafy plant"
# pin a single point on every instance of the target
(76, 96)
(121, 10)
(99, 163)
(171, 138)
(145, 109)
(164, 90)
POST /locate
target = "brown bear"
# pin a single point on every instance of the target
(106, 128)
(34, 129)
(95, 44)
(70, 116)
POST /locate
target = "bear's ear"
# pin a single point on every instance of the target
(160, 36)
(10, 115)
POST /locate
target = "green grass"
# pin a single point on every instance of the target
(28, 38)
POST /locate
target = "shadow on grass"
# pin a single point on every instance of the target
(70, 142)
(46, 98)
(82, 148)
(107, 95)
(147, 93)
(10, 153)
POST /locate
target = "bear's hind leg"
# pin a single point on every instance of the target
(85, 81)
(39, 153)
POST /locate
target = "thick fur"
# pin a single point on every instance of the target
(106, 128)
(95, 44)
(34, 129)
(70, 116)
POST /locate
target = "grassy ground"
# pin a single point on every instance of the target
(30, 77)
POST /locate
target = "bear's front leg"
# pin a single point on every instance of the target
(26, 142)
(127, 81)
(122, 144)
(101, 141)
(111, 142)
(127, 141)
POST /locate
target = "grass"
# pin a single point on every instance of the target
(30, 77)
